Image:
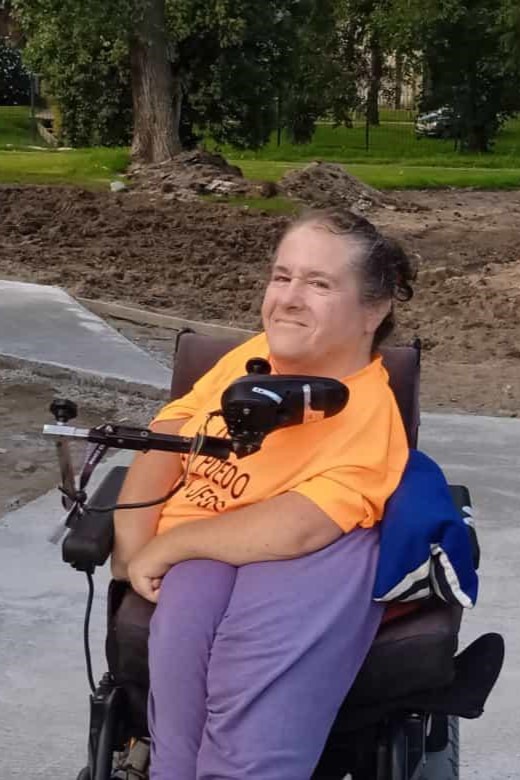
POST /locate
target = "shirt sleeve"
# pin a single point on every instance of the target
(341, 494)
(353, 492)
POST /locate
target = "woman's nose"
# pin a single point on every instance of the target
(293, 292)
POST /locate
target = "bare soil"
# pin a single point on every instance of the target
(189, 175)
(209, 262)
(28, 460)
(322, 184)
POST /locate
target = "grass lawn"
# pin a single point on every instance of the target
(392, 142)
(92, 168)
(388, 176)
(16, 128)
(395, 158)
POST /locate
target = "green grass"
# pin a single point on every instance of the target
(390, 143)
(391, 176)
(387, 177)
(396, 115)
(94, 168)
(16, 128)
(395, 159)
(21, 162)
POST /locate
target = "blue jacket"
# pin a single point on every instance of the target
(425, 540)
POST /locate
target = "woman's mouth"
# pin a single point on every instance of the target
(290, 323)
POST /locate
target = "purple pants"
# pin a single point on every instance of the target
(249, 665)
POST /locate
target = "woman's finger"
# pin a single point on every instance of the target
(143, 586)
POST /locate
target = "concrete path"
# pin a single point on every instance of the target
(43, 326)
(43, 685)
(43, 689)
(484, 454)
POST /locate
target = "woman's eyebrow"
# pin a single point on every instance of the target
(322, 274)
(312, 272)
(279, 267)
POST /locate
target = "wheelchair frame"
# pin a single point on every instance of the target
(395, 742)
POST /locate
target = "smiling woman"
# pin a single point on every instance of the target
(329, 302)
(262, 569)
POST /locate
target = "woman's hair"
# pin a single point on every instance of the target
(384, 268)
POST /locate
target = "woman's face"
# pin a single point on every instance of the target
(312, 311)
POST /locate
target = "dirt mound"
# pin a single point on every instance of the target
(209, 261)
(188, 175)
(328, 184)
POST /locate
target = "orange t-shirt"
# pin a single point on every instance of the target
(348, 464)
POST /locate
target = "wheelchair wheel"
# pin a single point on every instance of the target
(444, 764)
(84, 774)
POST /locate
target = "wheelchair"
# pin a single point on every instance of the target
(400, 720)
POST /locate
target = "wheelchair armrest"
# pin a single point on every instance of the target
(90, 540)
(462, 500)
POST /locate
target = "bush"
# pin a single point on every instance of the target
(15, 83)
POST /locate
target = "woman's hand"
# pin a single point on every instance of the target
(147, 568)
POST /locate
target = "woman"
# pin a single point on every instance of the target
(263, 568)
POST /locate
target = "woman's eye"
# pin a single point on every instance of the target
(280, 278)
(320, 284)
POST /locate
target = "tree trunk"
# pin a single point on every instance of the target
(398, 94)
(427, 81)
(156, 93)
(376, 74)
(478, 140)
(9, 26)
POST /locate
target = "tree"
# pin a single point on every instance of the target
(80, 49)
(328, 69)
(156, 88)
(469, 72)
(468, 54)
(511, 38)
(214, 64)
(377, 62)
(104, 62)
(15, 87)
(309, 87)
(232, 60)
(367, 21)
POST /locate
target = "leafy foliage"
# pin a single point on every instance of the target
(80, 49)
(242, 72)
(467, 69)
(15, 88)
(245, 71)
(235, 63)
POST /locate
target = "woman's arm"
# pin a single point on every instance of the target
(283, 527)
(150, 476)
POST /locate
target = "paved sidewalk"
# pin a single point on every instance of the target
(45, 327)
(484, 453)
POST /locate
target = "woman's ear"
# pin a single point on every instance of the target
(376, 313)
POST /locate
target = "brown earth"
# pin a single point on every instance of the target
(28, 460)
(322, 184)
(190, 174)
(209, 262)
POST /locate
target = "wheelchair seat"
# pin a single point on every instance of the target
(410, 654)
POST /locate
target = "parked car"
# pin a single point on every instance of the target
(440, 123)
